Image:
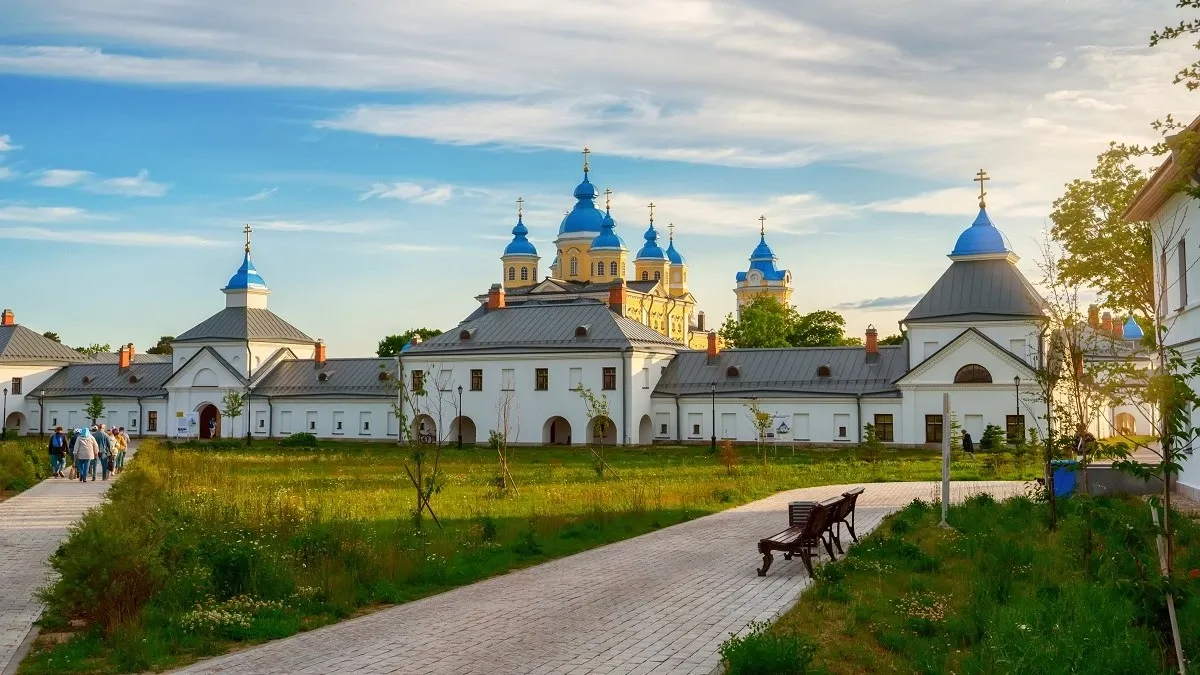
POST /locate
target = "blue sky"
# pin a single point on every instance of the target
(378, 148)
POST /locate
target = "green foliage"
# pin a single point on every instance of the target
(94, 410)
(763, 652)
(393, 344)
(300, 440)
(163, 346)
(767, 323)
(993, 438)
(94, 348)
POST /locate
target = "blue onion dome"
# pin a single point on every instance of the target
(246, 277)
(674, 256)
(981, 238)
(1132, 331)
(520, 245)
(608, 239)
(651, 250)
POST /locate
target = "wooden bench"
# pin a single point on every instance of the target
(805, 538)
(843, 514)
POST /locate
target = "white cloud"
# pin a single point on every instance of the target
(6, 143)
(262, 194)
(61, 177)
(42, 214)
(105, 238)
(130, 186)
(409, 192)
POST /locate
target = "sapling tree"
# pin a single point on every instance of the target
(231, 407)
(94, 408)
(596, 408)
(761, 421)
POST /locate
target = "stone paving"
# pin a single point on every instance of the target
(32, 525)
(659, 603)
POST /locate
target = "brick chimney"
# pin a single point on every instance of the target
(7, 318)
(616, 298)
(495, 298)
(319, 354)
(700, 321)
(123, 357)
(713, 349)
(1106, 322)
(1093, 316)
(872, 340)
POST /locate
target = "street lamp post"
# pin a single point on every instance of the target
(1017, 395)
(459, 422)
(714, 417)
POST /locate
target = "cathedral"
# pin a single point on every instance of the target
(592, 261)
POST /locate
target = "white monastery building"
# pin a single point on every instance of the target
(516, 364)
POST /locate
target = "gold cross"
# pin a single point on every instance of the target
(671, 231)
(247, 230)
(980, 178)
(520, 207)
(586, 152)
(607, 198)
(651, 206)
(762, 226)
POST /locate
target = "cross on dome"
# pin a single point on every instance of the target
(981, 178)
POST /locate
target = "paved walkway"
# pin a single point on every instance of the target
(32, 525)
(659, 603)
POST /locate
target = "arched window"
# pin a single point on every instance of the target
(657, 276)
(645, 275)
(972, 373)
(512, 273)
(600, 269)
(823, 371)
(612, 268)
(524, 274)
(574, 266)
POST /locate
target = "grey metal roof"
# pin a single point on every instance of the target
(19, 344)
(114, 357)
(979, 290)
(140, 380)
(245, 323)
(343, 377)
(546, 326)
(786, 372)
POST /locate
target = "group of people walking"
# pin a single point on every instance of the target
(98, 449)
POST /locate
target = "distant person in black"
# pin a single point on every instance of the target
(968, 444)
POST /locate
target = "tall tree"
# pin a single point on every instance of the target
(1100, 249)
(163, 346)
(51, 335)
(392, 344)
(764, 322)
(93, 349)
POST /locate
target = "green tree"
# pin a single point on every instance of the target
(95, 408)
(93, 349)
(392, 344)
(893, 340)
(1101, 249)
(51, 335)
(163, 346)
(764, 322)
(231, 408)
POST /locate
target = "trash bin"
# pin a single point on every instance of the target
(1065, 471)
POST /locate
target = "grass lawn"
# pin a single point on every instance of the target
(1000, 593)
(202, 549)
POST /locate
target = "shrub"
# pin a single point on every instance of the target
(760, 652)
(300, 440)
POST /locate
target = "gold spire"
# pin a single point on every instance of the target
(762, 226)
(247, 231)
(651, 207)
(980, 178)
(607, 198)
(671, 231)
(520, 207)
(586, 152)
